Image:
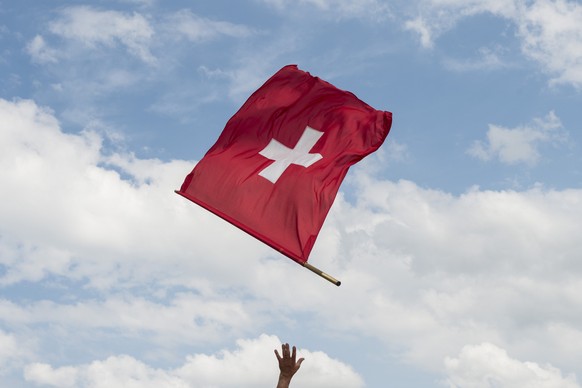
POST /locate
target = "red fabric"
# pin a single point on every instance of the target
(287, 214)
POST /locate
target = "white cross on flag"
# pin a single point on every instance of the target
(276, 168)
(284, 156)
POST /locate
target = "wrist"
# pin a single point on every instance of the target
(284, 381)
(283, 377)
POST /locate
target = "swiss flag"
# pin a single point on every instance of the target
(276, 168)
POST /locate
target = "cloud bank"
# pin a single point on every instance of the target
(486, 365)
(424, 272)
(252, 364)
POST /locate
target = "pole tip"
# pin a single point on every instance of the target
(327, 277)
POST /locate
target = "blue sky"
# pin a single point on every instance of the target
(457, 242)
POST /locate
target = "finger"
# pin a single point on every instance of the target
(278, 356)
(286, 350)
(294, 354)
(299, 362)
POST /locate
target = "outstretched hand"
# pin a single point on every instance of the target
(288, 365)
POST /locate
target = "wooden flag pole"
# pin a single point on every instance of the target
(319, 272)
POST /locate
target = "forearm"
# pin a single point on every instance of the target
(284, 381)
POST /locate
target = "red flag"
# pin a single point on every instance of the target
(278, 164)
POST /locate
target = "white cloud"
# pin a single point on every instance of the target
(15, 351)
(435, 17)
(115, 371)
(549, 30)
(46, 375)
(519, 145)
(484, 266)
(370, 9)
(551, 34)
(420, 26)
(104, 51)
(142, 3)
(196, 28)
(185, 318)
(102, 218)
(424, 271)
(40, 52)
(93, 27)
(488, 366)
(252, 364)
(8, 349)
(489, 59)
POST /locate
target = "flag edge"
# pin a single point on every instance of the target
(251, 232)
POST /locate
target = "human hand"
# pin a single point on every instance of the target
(288, 365)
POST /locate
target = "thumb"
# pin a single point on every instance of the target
(299, 362)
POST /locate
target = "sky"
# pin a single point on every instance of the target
(457, 242)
